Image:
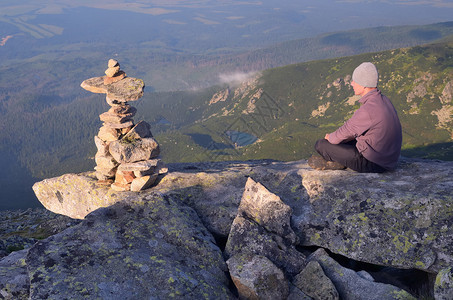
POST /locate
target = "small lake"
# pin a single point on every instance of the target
(241, 139)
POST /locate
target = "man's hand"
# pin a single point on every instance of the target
(327, 136)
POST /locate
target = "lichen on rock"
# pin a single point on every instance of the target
(396, 219)
(154, 248)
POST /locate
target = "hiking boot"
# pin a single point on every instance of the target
(319, 163)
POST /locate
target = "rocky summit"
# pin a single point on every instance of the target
(245, 230)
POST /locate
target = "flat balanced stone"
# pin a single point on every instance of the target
(115, 118)
(127, 89)
(123, 109)
(144, 165)
(119, 125)
(144, 168)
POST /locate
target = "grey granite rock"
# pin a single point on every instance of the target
(266, 209)
(256, 277)
(351, 286)
(400, 219)
(152, 248)
(314, 283)
(262, 228)
(443, 287)
(14, 283)
(296, 294)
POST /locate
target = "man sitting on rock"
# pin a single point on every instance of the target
(370, 141)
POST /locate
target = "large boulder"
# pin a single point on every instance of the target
(76, 195)
(402, 219)
(151, 247)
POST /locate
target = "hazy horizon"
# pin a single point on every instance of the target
(195, 26)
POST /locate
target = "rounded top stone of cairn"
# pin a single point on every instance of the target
(115, 84)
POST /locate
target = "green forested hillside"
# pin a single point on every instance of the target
(288, 108)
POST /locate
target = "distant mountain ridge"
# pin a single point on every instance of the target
(205, 69)
(336, 44)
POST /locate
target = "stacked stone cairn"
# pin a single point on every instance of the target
(127, 156)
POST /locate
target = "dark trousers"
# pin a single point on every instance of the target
(347, 155)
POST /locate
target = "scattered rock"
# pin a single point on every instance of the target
(443, 287)
(256, 277)
(296, 294)
(247, 236)
(314, 283)
(350, 285)
(21, 229)
(365, 275)
(267, 209)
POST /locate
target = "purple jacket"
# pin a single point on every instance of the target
(377, 129)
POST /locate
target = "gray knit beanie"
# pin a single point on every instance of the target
(366, 75)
